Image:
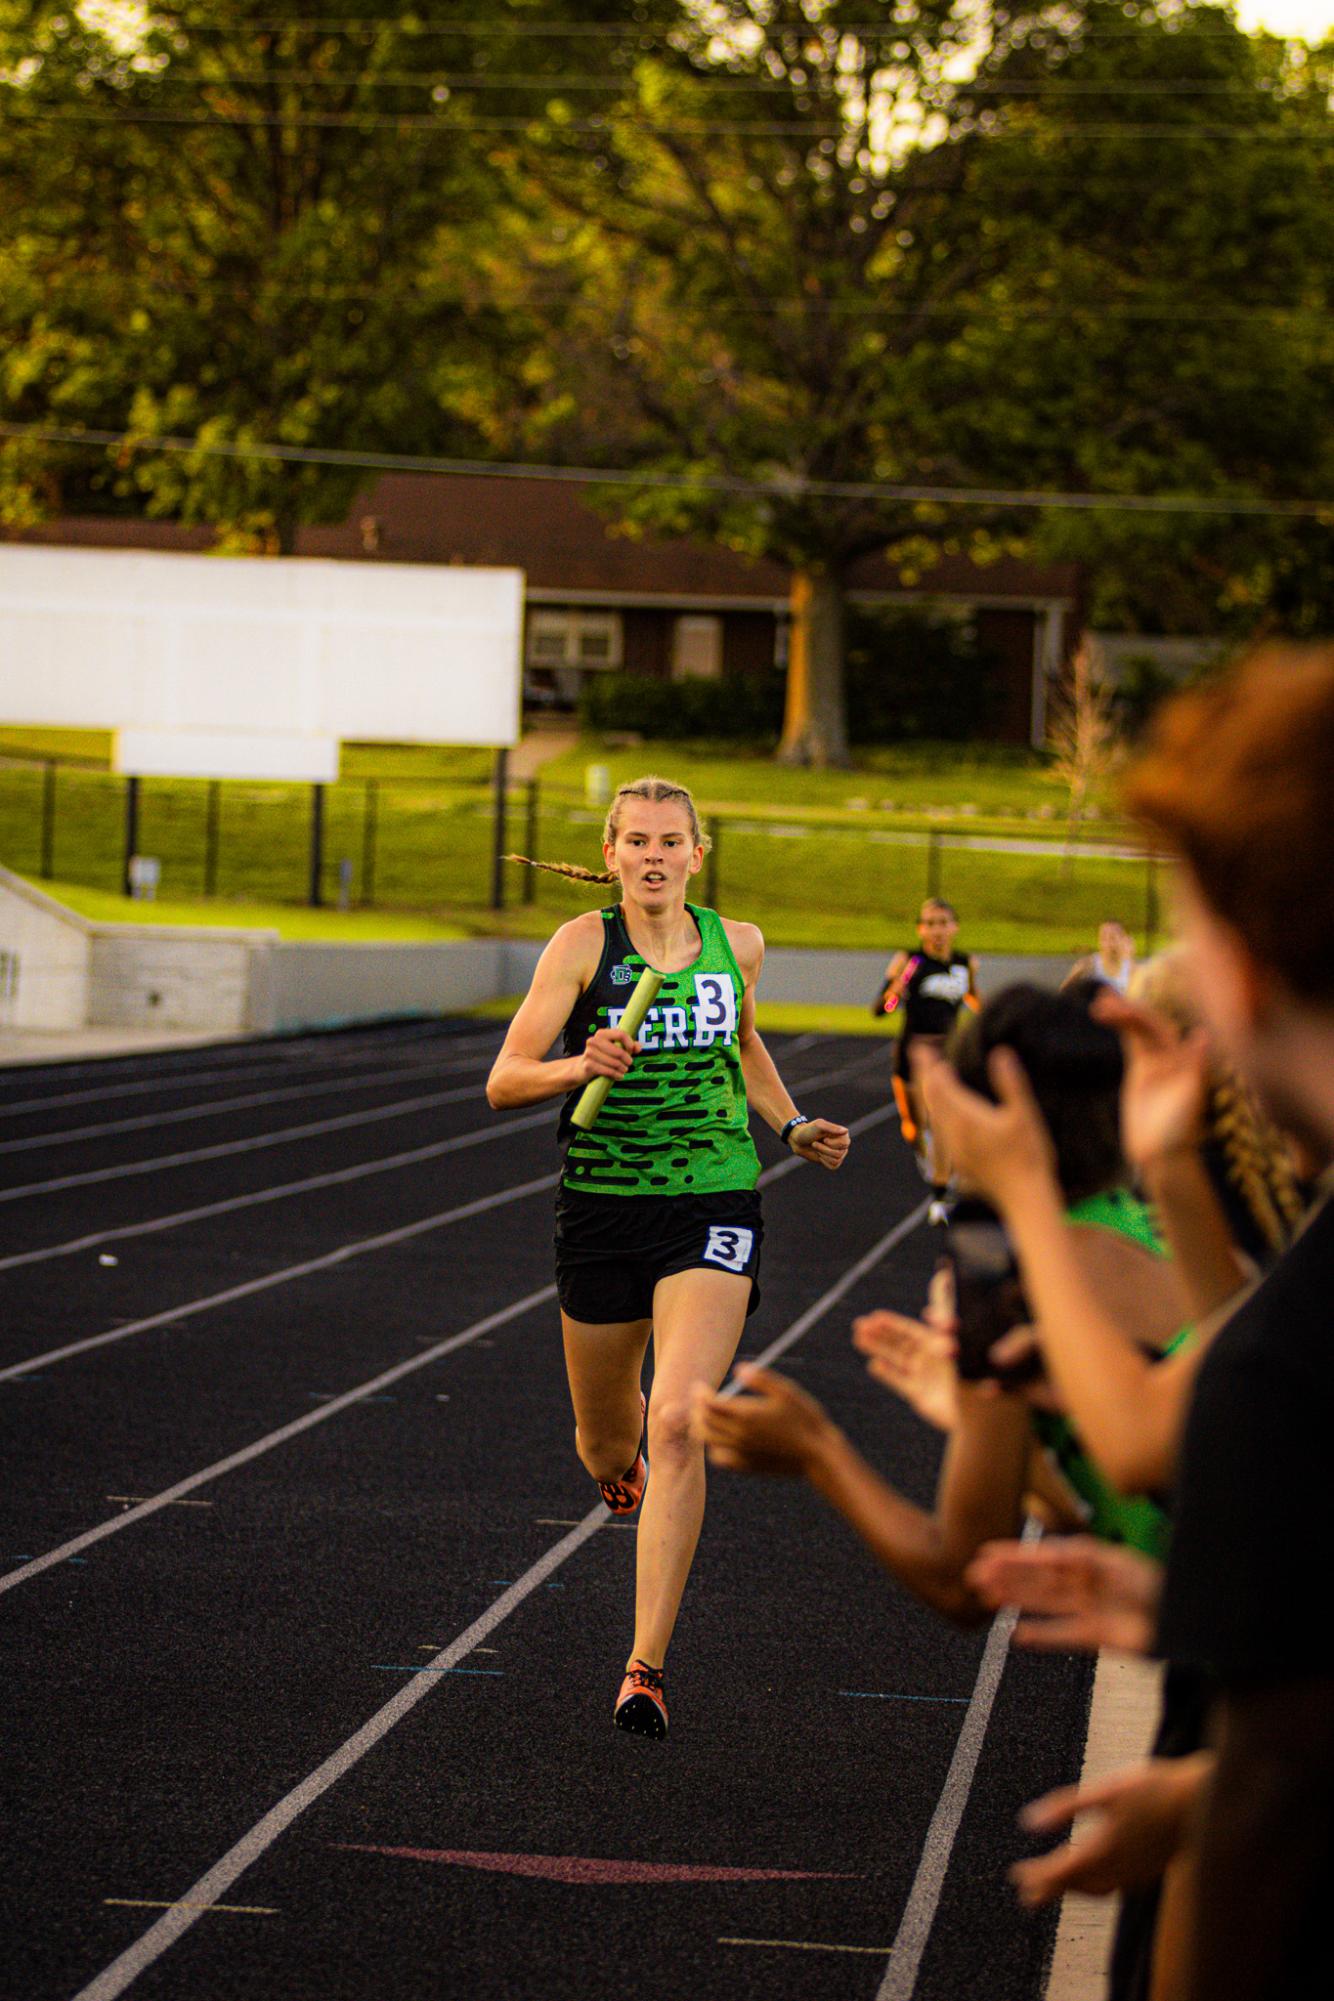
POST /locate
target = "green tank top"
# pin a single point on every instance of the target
(1134, 1520)
(677, 1123)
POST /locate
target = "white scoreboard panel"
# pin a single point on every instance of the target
(216, 666)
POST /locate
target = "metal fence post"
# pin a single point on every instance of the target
(530, 840)
(369, 828)
(315, 897)
(498, 830)
(47, 866)
(212, 817)
(131, 832)
(933, 863)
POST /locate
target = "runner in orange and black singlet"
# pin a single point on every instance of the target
(928, 987)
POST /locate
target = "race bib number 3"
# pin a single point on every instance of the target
(715, 1008)
(729, 1248)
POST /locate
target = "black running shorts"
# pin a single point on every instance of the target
(611, 1250)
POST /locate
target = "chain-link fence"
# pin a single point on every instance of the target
(434, 843)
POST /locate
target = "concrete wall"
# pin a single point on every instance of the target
(44, 959)
(171, 976)
(312, 984)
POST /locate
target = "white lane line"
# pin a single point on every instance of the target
(214, 1884)
(286, 1048)
(808, 1945)
(345, 1252)
(254, 1197)
(16, 1371)
(236, 1073)
(924, 1898)
(376, 1115)
(478, 1136)
(364, 1391)
(165, 1904)
(210, 1108)
(271, 1440)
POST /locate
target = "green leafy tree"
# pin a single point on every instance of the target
(221, 229)
(972, 249)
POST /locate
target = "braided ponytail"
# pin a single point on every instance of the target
(1256, 1158)
(573, 870)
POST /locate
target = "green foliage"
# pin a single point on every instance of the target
(912, 678)
(1109, 270)
(223, 230)
(737, 707)
(755, 244)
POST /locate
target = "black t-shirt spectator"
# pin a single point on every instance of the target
(1247, 1594)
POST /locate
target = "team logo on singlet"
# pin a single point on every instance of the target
(710, 1018)
(622, 976)
(950, 986)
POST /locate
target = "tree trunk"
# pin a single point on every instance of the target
(815, 729)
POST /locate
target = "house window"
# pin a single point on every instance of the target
(574, 639)
(697, 649)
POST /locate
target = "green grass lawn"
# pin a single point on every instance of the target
(965, 782)
(814, 857)
(293, 921)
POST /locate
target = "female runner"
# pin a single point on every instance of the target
(658, 1224)
(930, 985)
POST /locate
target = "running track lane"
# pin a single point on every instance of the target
(749, 1505)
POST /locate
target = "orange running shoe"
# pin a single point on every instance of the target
(903, 1105)
(624, 1495)
(641, 1706)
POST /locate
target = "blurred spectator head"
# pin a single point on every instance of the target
(1235, 781)
(1072, 1063)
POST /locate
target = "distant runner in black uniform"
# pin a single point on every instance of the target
(929, 986)
(658, 1222)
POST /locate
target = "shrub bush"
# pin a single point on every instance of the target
(735, 708)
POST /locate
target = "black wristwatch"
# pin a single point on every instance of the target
(797, 1119)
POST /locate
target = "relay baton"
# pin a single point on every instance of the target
(594, 1094)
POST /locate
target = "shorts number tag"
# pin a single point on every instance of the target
(729, 1248)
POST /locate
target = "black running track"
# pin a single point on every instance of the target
(312, 1624)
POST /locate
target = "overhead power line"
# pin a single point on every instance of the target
(789, 487)
(720, 82)
(882, 30)
(412, 121)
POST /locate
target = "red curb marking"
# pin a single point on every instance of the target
(592, 1869)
